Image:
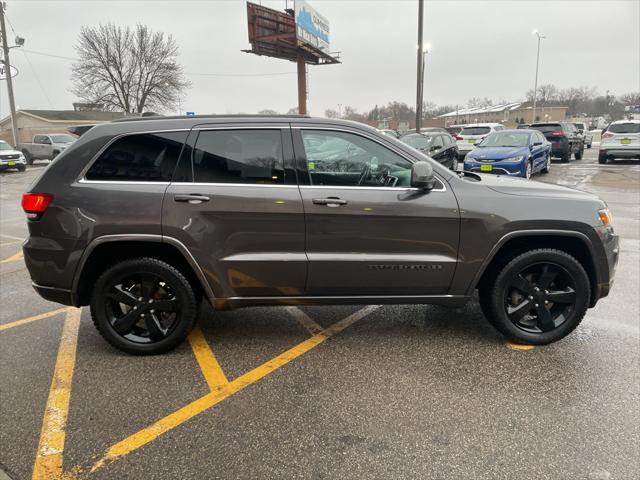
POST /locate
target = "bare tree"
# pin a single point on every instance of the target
(330, 113)
(631, 98)
(268, 112)
(128, 69)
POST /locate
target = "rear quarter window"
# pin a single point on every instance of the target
(150, 157)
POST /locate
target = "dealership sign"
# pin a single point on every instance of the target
(311, 27)
(3, 71)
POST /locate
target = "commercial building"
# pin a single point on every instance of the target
(509, 114)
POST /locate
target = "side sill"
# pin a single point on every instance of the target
(444, 300)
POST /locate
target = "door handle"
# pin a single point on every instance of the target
(329, 202)
(192, 198)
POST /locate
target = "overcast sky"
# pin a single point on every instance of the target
(479, 49)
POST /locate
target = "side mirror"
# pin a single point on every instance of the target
(435, 147)
(422, 176)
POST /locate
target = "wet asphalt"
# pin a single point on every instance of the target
(405, 392)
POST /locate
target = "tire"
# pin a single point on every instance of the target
(566, 156)
(27, 157)
(22, 168)
(579, 153)
(124, 295)
(588, 145)
(528, 171)
(454, 163)
(560, 280)
(54, 154)
(602, 158)
(547, 165)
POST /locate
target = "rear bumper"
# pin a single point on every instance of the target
(618, 152)
(53, 294)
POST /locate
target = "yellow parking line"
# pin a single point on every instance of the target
(40, 316)
(519, 346)
(211, 369)
(48, 464)
(13, 258)
(198, 406)
(304, 319)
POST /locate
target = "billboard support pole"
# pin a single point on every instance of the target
(420, 68)
(7, 65)
(302, 84)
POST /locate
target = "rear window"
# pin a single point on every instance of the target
(580, 126)
(238, 156)
(417, 141)
(625, 128)
(547, 127)
(475, 131)
(140, 157)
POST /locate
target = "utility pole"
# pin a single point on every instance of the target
(420, 68)
(7, 66)
(535, 85)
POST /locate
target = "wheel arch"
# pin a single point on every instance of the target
(574, 243)
(105, 251)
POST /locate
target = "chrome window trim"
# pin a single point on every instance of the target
(217, 184)
(82, 176)
(123, 182)
(392, 189)
(373, 139)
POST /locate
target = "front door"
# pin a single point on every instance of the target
(234, 202)
(368, 231)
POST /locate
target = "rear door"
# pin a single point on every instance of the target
(368, 231)
(234, 202)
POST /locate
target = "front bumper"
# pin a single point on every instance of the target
(514, 169)
(20, 162)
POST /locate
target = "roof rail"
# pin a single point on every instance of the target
(185, 117)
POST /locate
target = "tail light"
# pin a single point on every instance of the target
(457, 137)
(557, 133)
(607, 135)
(35, 204)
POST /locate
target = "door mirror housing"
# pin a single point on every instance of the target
(422, 176)
(537, 144)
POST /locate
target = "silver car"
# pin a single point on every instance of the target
(472, 134)
(621, 140)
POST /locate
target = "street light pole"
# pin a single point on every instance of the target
(420, 67)
(424, 61)
(535, 85)
(7, 66)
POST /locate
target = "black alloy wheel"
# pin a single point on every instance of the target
(538, 297)
(143, 306)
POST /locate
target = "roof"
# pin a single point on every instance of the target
(478, 110)
(231, 116)
(74, 116)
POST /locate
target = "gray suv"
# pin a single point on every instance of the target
(142, 219)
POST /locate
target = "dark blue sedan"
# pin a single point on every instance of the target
(518, 153)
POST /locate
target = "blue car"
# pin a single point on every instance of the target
(517, 153)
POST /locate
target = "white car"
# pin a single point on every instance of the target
(621, 140)
(586, 134)
(11, 158)
(472, 134)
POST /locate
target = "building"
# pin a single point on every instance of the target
(405, 125)
(43, 122)
(509, 114)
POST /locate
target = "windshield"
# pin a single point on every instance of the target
(5, 146)
(580, 126)
(625, 128)
(475, 131)
(62, 138)
(506, 139)
(417, 141)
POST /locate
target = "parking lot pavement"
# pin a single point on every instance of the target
(325, 392)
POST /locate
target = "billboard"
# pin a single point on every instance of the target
(311, 27)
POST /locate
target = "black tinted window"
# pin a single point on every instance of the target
(140, 157)
(547, 127)
(475, 131)
(238, 156)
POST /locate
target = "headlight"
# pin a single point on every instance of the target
(519, 158)
(605, 217)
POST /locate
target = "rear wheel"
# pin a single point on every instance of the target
(602, 158)
(54, 154)
(28, 157)
(547, 165)
(566, 156)
(144, 306)
(539, 297)
(579, 153)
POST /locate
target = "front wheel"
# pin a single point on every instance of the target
(528, 170)
(539, 297)
(454, 163)
(143, 306)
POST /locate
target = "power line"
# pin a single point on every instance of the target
(35, 74)
(193, 74)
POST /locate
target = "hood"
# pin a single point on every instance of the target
(532, 188)
(10, 152)
(498, 153)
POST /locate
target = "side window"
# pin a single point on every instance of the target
(149, 157)
(438, 142)
(346, 159)
(238, 156)
(447, 140)
(38, 139)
